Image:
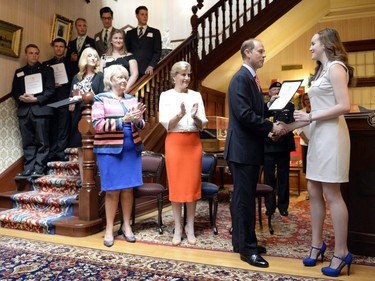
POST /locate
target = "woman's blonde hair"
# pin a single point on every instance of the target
(82, 63)
(179, 66)
(111, 71)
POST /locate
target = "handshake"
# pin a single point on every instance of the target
(279, 129)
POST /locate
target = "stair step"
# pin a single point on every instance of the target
(40, 221)
(67, 185)
(43, 199)
(63, 168)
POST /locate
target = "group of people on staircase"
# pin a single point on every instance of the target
(117, 117)
(47, 128)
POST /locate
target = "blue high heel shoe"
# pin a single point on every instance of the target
(312, 262)
(334, 272)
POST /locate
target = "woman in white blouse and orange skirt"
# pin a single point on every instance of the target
(183, 116)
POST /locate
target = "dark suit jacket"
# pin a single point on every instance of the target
(63, 91)
(18, 88)
(285, 143)
(147, 49)
(99, 44)
(247, 126)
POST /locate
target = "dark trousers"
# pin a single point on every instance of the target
(35, 141)
(281, 162)
(59, 132)
(245, 179)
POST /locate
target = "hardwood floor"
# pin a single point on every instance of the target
(280, 265)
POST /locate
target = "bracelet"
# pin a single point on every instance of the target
(310, 118)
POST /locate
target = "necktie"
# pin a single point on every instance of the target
(140, 32)
(105, 37)
(258, 82)
(79, 43)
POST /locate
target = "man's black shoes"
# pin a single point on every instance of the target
(24, 175)
(255, 260)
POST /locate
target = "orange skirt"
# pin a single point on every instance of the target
(183, 159)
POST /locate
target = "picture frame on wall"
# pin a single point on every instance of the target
(10, 39)
(61, 28)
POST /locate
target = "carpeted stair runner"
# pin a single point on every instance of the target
(49, 200)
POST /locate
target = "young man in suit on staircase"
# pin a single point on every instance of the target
(144, 42)
(33, 113)
(76, 46)
(102, 37)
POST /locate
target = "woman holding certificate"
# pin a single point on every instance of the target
(88, 79)
(329, 147)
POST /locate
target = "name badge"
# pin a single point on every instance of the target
(20, 74)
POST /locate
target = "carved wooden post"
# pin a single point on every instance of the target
(89, 195)
(194, 55)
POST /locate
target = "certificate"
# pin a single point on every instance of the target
(60, 73)
(34, 84)
(287, 91)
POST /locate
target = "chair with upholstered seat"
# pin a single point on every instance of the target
(209, 189)
(262, 190)
(153, 165)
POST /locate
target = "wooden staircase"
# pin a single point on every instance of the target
(216, 36)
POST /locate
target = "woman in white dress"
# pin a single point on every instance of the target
(329, 147)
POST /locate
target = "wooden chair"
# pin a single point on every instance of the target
(262, 190)
(153, 165)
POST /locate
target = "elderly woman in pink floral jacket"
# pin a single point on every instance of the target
(117, 117)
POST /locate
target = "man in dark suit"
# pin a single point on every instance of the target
(244, 146)
(144, 42)
(76, 46)
(60, 120)
(277, 156)
(33, 112)
(102, 37)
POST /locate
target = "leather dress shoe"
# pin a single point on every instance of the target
(261, 250)
(24, 175)
(35, 175)
(255, 260)
(269, 213)
(284, 213)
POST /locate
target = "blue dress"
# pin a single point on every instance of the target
(123, 170)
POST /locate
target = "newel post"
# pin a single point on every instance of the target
(194, 51)
(89, 195)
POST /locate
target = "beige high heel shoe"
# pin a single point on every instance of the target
(191, 239)
(176, 238)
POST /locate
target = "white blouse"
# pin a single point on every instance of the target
(169, 106)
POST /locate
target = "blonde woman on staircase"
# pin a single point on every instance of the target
(181, 112)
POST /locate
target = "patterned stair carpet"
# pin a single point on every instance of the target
(291, 237)
(50, 199)
(24, 259)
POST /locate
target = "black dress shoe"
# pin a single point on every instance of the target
(261, 249)
(269, 213)
(35, 175)
(24, 175)
(255, 260)
(284, 213)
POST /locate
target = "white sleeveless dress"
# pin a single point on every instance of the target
(329, 146)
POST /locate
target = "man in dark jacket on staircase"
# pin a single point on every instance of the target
(33, 87)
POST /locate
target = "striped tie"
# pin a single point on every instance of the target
(140, 32)
(106, 38)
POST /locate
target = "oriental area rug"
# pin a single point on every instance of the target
(23, 259)
(291, 238)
